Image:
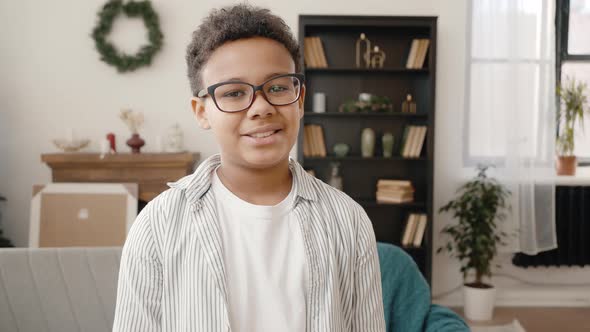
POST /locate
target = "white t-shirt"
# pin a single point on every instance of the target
(265, 263)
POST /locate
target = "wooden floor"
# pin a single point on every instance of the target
(540, 319)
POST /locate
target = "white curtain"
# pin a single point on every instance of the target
(510, 111)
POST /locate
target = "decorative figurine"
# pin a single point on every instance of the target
(175, 139)
(366, 54)
(377, 58)
(408, 105)
(112, 143)
(335, 179)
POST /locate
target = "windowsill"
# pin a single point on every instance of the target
(582, 178)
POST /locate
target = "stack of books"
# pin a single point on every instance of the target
(414, 231)
(394, 191)
(313, 141)
(413, 141)
(417, 54)
(313, 52)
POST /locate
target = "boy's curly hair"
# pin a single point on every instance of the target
(232, 23)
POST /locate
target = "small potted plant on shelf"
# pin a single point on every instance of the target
(480, 203)
(572, 108)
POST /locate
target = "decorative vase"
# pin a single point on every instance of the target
(335, 178)
(341, 150)
(478, 303)
(135, 142)
(387, 142)
(367, 142)
(566, 165)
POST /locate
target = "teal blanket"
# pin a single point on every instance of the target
(406, 296)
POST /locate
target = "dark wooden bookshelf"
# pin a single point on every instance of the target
(359, 158)
(335, 114)
(366, 71)
(342, 81)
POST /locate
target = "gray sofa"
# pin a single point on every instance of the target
(62, 289)
(75, 289)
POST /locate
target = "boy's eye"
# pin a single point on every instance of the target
(277, 88)
(234, 94)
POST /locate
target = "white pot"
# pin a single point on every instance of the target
(478, 303)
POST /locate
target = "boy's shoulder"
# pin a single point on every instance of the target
(189, 189)
(332, 201)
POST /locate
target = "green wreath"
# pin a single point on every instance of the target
(109, 53)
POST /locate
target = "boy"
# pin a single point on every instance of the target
(250, 241)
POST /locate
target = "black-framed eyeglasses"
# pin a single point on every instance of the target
(236, 96)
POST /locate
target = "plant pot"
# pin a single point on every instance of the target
(478, 303)
(566, 165)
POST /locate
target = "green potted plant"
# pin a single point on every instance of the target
(572, 107)
(480, 203)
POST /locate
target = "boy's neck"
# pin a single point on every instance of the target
(267, 186)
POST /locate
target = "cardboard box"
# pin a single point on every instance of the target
(82, 214)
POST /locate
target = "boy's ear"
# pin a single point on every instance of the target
(198, 106)
(301, 101)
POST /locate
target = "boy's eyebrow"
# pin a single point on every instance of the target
(242, 80)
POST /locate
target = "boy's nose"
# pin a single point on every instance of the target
(260, 106)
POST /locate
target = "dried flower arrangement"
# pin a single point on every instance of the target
(133, 120)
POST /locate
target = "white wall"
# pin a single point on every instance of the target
(52, 80)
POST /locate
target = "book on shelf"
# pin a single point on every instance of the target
(394, 183)
(320, 47)
(409, 230)
(417, 53)
(394, 191)
(414, 231)
(420, 230)
(313, 53)
(398, 198)
(314, 144)
(320, 131)
(412, 54)
(421, 57)
(413, 141)
(309, 54)
(409, 141)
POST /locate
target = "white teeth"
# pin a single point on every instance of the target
(261, 135)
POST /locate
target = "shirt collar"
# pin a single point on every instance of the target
(197, 184)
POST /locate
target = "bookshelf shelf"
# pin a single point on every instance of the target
(340, 81)
(374, 204)
(366, 70)
(359, 158)
(365, 115)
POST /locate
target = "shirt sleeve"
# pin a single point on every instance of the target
(367, 297)
(139, 291)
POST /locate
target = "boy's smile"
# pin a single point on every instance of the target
(266, 134)
(262, 135)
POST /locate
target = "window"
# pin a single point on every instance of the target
(510, 82)
(573, 59)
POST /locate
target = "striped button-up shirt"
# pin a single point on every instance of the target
(172, 274)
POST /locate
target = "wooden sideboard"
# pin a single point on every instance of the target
(151, 171)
